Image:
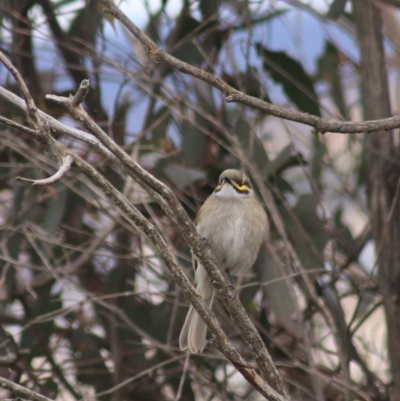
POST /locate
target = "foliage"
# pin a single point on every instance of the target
(86, 303)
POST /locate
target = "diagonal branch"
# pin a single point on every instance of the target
(22, 391)
(178, 215)
(322, 125)
(275, 390)
(53, 124)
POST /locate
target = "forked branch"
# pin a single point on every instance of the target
(156, 53)
(270, 385)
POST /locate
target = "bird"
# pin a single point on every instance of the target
(233, 224)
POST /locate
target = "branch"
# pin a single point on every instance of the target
(53, 125)
(180, 278)
(22, 391)
(31, 109)
(71, 52)
(178, 215)
(64, 168)
(232, 95)
(81, 93)
(383, 174)
(13, 124)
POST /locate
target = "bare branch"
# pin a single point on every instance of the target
(75, 100)
(21, 127)
(53, 125)
(30, 104)
(64, 168)
(178, 215)
(175, 210)
(180, 278)
(81, 93)
(33, 113)
(22, 391)
(15, 399)
(233, 95)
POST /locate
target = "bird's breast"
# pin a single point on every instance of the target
(233, 231)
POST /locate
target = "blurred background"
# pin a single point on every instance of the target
(87, 308)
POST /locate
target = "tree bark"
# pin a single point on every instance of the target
(383, 175)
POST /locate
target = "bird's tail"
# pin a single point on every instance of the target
(194, 330)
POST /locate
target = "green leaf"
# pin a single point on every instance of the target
(248, 293)
(63, 3)
(319, 152)
(329, 71)
(186, 51)
(251, 145)
(24, 196)
(194, 143)
(264, 19)
(336, 9)
(183, 176)
(87, 23)
(13, 247)
(362, 176)
(366, 299)
(295, 82)
(116, 278)
(332, 301)
(49, 388)
(248, 81)
(163, 162)
(54, 215)
(161, 319)
(284, 160)
(163, 117)
(36, 337)
(139, 311)
(279, 300)
(345, 240)
(283, 185)
(306, 232)
(275, 165)
(209, 8)
(89, 363)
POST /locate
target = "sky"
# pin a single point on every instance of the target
(297, 32)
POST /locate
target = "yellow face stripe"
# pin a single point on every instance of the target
(241, 188)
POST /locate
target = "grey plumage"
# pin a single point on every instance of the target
(233, 223)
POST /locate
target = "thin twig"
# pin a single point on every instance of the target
(181, 279)
(53, 125)
(178, 215)
(183, 377)
(233, 95)
(81, 93)
(139, 375)
(64, 168)
(14, 124)
(22, 391)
